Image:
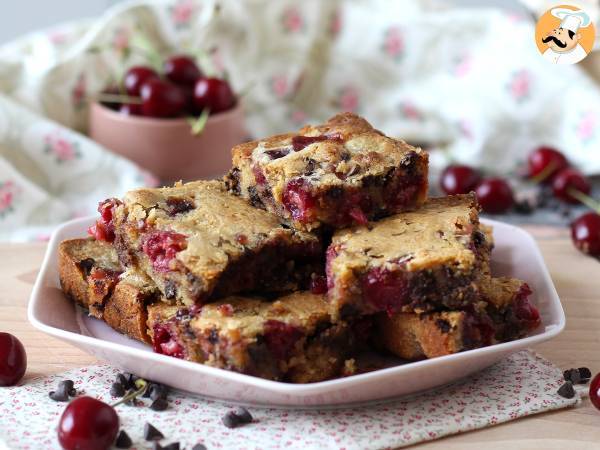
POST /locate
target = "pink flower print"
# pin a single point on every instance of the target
(335, 24)
(279, 85)
(62, 149)
(292, 20)
(348, 99)
(182, 13)
(78, 92)
(520, 85)
(586, 129)
(393, 43)
(7, 195)
(410, 111)
(463, 66)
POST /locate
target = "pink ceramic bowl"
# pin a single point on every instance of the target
(166, 147)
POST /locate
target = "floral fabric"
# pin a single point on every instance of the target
(467, 83)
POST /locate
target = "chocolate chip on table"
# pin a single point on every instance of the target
(231, 420)
(243, 414)
(123, 440)
(585, 374)
(117, 390)
(151, 433)
(60, 395)
(130, 380)
(199, 447)
(572, 375)
(171, 446)
(158, 391)
(566, 390)
(121, 379)
(156, 446)
(69, 386)
(160, 404)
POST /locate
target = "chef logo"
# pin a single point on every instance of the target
(565, 35)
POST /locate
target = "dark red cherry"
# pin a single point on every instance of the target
(213, 93)
(570, 179)
(459, 179)
(494, 195)
(136, 77)
(595, 391)
(546, 161)
(13, 360)
(87, 423)
(585, 233)
(162, 99)
(130, 109)
(181, 69)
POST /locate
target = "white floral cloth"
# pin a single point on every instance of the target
(521, 385)
(467, 82)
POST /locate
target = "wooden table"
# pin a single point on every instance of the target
(577, 280)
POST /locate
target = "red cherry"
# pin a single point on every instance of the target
(494, 195)
(136, 77)
(182, 70)
(213, 93)
(595, 391)
(130, 109)
(13, 360)
(585, 233)
(87, 423)
(162, 99)
(566, 180)
(547, 160)
(458, 179)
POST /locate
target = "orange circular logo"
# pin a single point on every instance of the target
(565, 34)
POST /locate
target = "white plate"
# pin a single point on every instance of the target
(516, 254)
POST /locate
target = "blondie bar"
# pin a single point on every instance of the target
(504, 313)
(339, 173)
(197, 242)
(411, 262)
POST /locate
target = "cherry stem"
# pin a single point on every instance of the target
(585, 199)
(141, 384)
(198, 124)
(545, 173)
(117, 98)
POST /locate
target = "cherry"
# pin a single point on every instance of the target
(569, 179)
(87, 423)
(281, 337)
(545, 162)
(136, 77)
(595, 391)
(585, 233)
(13, 360)
(162, 247)
(318, 285)
(459, 179)
(166, 343)
(494, 195)
(162, 99)
(130, 109)
(298, 200)
(214, 94)
(181, 69)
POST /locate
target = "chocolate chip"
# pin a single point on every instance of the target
(130, 380)
(213, 336)
(524, 207)
(170, 289)
(172, 446)
(156, 446)
(443, 325)
(160, 404)
(585, 374)
(117, 390)
(121, 379)
(159, 391)
(86, 265)
(60, 395)
(151, 433)
(179, 205)
(231, 420)
(243, 414)
(123, 440)
(566, 390)
(199, 447)
(572, 375)
(277, 153)
(311, 165)
(68, 386)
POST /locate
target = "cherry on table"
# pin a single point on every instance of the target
(162, 99)
(494, 195)
(13, 360)
(181, 69)
(459, 179)
(546, 161)
(136, 76)
(585, 233)
(87, 423)
(595, 391)
(569, 179)
(214, 94)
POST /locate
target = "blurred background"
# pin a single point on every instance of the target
(463, 79)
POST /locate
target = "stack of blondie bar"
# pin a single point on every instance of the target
(316, 246)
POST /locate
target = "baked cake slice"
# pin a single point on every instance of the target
(504, 313)
(339, 173)
(198, 242)
(411, 262)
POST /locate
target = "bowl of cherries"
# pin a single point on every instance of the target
(176, 123)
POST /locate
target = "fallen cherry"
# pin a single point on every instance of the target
(568, 180)
(494, 195)
(136, 77)
(459, 179)
(214, 94)
(161, 99)
(13, 360)
(595, 391)
(585, 233)
(544, 162)
(87, 423)
(182, 70)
